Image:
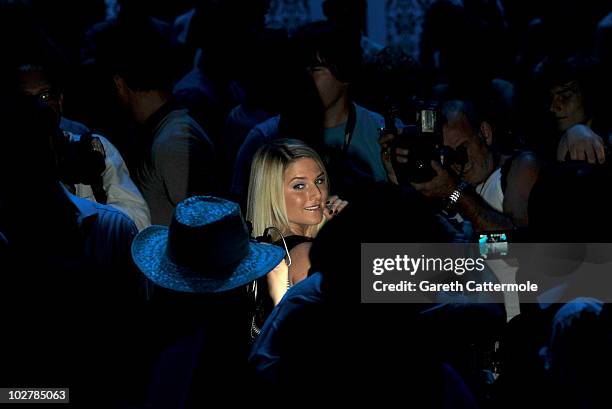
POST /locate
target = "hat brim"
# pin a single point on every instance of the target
(149, 254)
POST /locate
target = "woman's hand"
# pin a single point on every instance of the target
(333, 206)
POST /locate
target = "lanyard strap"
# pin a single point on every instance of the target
(349, 128)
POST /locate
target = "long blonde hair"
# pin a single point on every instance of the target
(266, 200)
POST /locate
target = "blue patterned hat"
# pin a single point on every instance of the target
(206, 249)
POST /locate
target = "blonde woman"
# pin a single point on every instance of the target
(288, 190)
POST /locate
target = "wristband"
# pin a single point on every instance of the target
(454, 197)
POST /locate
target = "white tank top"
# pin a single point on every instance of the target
(491, 191)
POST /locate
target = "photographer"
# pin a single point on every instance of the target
(487, 188)
(90, 166)
(61, 256)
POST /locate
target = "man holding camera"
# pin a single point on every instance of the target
(64, 258)
(486, 188)
(90, 166)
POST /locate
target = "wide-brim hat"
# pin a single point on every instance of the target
(206, 249)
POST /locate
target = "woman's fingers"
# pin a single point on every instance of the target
(334, 205)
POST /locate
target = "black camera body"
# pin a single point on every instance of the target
(81, 161)
(424, 142)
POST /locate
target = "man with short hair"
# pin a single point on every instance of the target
(579, 107)
(113, 185)
(176, 155)
(330, 57)
(489, 190)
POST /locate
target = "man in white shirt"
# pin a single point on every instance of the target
(119, 191)
(489, 190)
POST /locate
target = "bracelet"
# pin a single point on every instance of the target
(454, 197)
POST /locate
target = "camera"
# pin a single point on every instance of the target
(81, 161)
(424, 142)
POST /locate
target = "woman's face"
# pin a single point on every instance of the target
(567, 106)
(305, 188)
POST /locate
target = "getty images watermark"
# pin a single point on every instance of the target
(458, 266)
(481, 272)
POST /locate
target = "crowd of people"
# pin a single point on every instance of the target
(183, 199)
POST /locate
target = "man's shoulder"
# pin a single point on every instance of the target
(364, 115)
(107, 216)
(76, 137)
(72, 126)
(269, 127)
(307, 291)
(523, 162)
(178, 117)
(262, 132)
(179, 124)
(302, 295)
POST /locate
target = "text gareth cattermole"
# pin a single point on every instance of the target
(412, 265)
